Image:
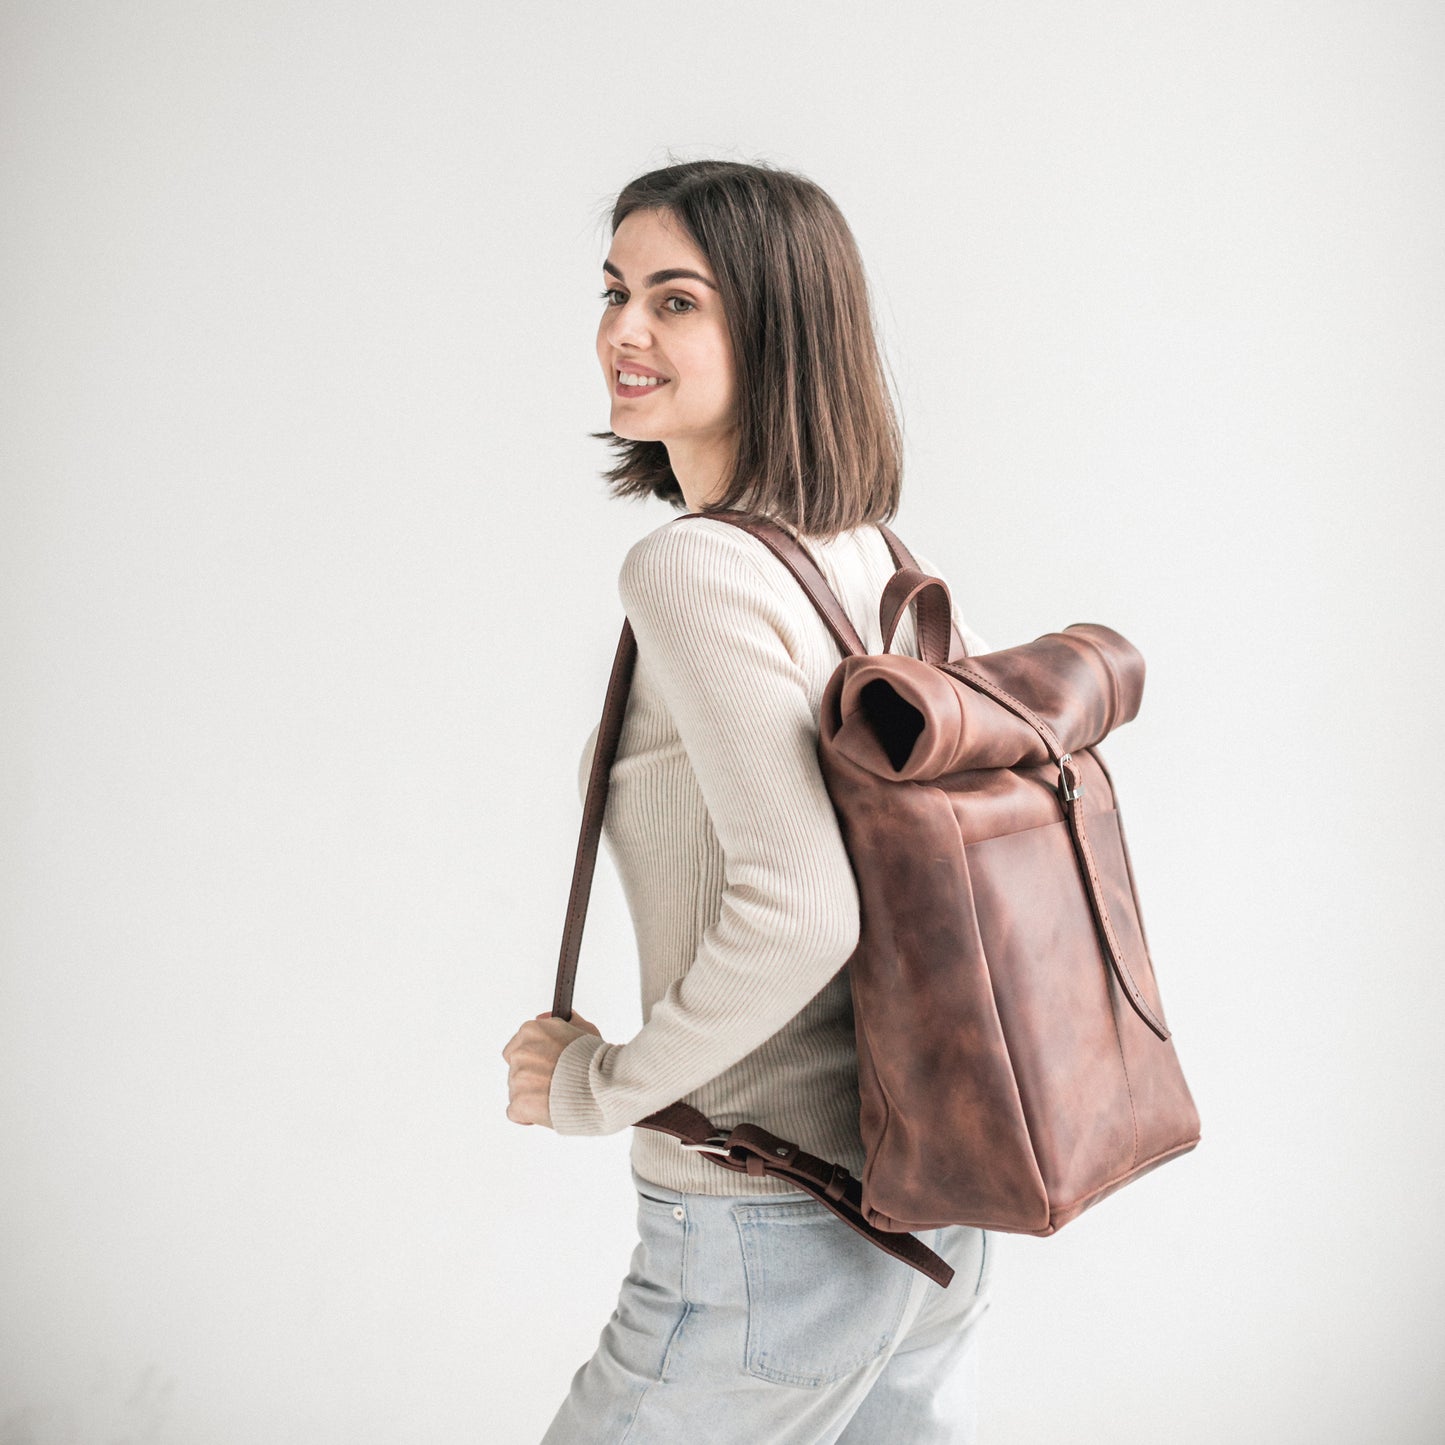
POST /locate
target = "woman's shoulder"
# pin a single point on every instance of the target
(695, 542)
(693, 553)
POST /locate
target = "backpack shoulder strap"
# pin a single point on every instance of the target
(799, 561)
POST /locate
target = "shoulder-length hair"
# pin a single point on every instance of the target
(819, 442)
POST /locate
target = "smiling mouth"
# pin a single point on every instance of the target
(631, 383)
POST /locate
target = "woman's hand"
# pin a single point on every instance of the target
(531, 1054)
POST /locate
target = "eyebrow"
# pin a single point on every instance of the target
(674, 273)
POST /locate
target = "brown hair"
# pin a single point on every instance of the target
(819, 443)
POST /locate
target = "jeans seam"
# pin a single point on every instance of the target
(667, 1349)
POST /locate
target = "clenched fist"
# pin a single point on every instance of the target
(531, 1054)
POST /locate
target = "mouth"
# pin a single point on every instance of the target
(636, 383)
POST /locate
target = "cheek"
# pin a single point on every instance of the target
(711, 364)
(727, 381)
(727, 373)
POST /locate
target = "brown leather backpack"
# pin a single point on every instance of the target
(1014, 1066)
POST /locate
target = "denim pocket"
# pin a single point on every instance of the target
(822, 1300)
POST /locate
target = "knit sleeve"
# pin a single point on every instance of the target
(711, 622)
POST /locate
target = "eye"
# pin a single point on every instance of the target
(611, 291)
(687, 303)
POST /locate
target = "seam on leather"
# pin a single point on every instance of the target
(1127, 1174)
(1128, 1084)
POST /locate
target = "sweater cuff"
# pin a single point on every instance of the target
(570, 1100)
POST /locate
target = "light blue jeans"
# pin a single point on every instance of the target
(765, 1320)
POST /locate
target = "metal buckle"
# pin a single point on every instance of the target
(1066, 793)
(713, 1144)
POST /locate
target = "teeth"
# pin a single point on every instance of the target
(628, 378)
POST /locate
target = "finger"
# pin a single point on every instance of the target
(518, 1039)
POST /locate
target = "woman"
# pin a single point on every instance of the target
(739, 355)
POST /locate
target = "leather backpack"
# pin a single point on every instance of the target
(1014, 1064)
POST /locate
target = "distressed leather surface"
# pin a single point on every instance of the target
(1005, 1079)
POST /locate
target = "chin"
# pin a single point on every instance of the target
(633, 433)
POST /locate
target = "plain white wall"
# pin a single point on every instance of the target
(309, 600)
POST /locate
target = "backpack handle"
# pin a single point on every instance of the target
(933, 606)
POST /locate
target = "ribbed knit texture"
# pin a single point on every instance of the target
(723, 835)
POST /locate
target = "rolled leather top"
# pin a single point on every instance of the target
(902, 718)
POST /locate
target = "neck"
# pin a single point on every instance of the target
(702, 469)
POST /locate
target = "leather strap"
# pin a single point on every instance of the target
(748, 1147)
(609, 731)
(1071, 793)
(751, 1149)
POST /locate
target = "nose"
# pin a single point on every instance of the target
(626, 325)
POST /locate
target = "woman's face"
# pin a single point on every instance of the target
(662, 323)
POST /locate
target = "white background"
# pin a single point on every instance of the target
(309, 590)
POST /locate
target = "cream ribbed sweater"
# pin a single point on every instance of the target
(729, 853)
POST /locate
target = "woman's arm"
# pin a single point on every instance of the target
(711, 619)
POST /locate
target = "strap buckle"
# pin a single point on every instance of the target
(713, 1144)
(1069, 792)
